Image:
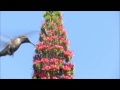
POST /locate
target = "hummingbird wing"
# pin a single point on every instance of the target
(4, 40)
(31, 33)
(28, 33)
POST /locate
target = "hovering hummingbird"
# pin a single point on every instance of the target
(14, 44)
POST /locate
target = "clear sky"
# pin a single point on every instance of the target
(93, 35)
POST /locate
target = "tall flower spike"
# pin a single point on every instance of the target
(53, 58)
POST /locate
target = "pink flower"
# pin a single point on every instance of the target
(44, 60)
(44, 47)
(58, 47)
(48, 39)
(71, 65)
(68, 53)
(54, 77)
(39, 44)
(45, 77)
(60, 38)
(40, 48)
(65, 68)
(60, 61)
(53, 60)
(46, 68)
(50, 31)
(53, 33)
(54, 67)
(67, 77)
(54, 37)
(64, 32)
(65, 42)
(36, 62)
(60, 28)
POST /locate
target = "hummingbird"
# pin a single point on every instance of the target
(14, 44)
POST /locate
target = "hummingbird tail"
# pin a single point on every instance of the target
(2, 54)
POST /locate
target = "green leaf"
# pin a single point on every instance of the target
(68, 73)
(37, 66)
(40, 52)
(34, 77)
(48, 74)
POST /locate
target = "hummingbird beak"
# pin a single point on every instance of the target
(32, 43)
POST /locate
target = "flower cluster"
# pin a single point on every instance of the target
(43, 60)
(68, 53)
(51, 67)
(51, 32)
(37, 62)
(54, 77)
(41, 76)
(52, 59)
(66, 68)
(55, 60)
(67, 77)
(43, 47)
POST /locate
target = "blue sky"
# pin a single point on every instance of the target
(93, 35)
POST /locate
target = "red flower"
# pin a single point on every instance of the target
(37, 62)
(67, 77)
(54, 37)
(45, 77)
(60, 61)
(60, 38)
(44, 60)
(53, 33)
(45, 47)
(65, 42)
(46, 68)
(49, 31)
(66, 68)
(39, 44)
(58, 47)
(68, 53)
(53, 60)
(71, 65)
(54, 67)
(54, 77)
(64, 32)
(56, 41)
(60, 28)
(48, 39)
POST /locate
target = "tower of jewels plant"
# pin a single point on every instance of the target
(53, 57)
